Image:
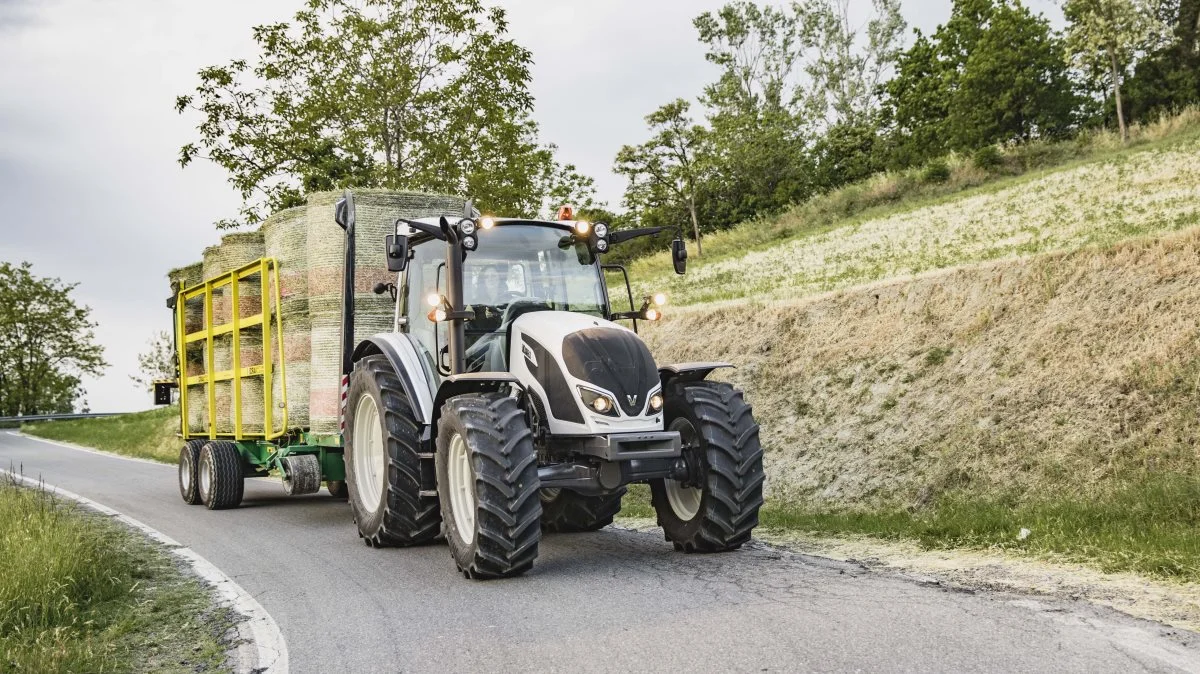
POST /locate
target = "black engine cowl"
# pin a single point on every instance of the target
(613, 360)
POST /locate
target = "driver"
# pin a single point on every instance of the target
(491, 286)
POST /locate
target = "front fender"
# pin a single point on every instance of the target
(410, 367)
(684, 373)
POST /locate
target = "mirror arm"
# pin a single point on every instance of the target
(627, 234)
(432, 230)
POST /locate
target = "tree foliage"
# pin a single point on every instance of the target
(46, 344)
(399, 94)
(1105, 36)
(157, 362)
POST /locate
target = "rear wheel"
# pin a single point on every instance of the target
(488, 482)
(301, 474)
(383, 460)
(564, 510)
(189, 459)
(716, 508)
(221, 483)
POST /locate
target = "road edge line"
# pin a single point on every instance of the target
(261, 647)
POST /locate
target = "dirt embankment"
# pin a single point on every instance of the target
(1057, 374)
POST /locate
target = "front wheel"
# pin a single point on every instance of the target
(716, 508)
(488, 483)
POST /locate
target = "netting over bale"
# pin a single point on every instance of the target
(181, 278)
(285, 236)
(376, 213)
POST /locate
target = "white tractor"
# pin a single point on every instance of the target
(507, 401)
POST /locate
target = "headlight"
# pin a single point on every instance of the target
(660, 299)
(582, 227)
(656, 402)
(469, 242)
(601, 230)
(487, 223)
(597, 401)
(467, 227)
(602, 245)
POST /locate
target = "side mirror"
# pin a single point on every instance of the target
(679, 256)
(397, 252)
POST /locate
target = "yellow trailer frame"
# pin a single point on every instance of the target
(267, 269)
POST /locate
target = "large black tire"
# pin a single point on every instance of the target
(500, 477)
(726, 458)
(220, 475)
(189, 466)
(400, 516)
(566, 511)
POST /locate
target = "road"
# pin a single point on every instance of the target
(614, 600)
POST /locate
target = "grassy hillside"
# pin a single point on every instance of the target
(894, 224)
(148, 435)
(1062, 380)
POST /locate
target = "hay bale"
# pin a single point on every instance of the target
(235, 251)
(376, 215)
(285, 236)
(182, 278)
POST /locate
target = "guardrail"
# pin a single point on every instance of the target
(57, 417)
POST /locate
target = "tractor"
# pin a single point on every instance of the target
(509, 401)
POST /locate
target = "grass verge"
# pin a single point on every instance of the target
(148, 435)
(79, 593)
(1146, 527)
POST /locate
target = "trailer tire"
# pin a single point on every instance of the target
(565, 511)
(488, 481)
(721, 438)
(301, 474)
(383, 460)
(189, 460)
(220, 475)
(337, 489)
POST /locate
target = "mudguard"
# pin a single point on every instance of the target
(687, 372)
(413, 370)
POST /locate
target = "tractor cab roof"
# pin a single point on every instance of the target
(418, 237)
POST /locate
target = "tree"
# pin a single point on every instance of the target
(157, 361)
(994, 72)
(399, 94)
(46, 344)
(847, 75)
(1168, 77)
(1104, 37)
(667, 168)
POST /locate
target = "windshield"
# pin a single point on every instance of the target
(516, 269)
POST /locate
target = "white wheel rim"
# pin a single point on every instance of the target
(185, 474)
(462, 488)
(370, 465)
(205, 478)
(685, 501)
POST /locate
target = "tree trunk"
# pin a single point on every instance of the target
(1112, 55)
(695, 226)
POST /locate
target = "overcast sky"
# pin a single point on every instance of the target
(90, 190)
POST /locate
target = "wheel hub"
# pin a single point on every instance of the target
(685, 500)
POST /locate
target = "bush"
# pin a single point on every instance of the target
(936, 171)
(987, 158)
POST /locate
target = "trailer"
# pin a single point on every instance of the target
(506, 400)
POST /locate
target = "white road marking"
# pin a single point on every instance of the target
(261, 646)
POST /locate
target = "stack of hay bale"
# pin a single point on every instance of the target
(309, 248)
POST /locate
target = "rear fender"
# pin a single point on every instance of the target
(684, 373)
(410, 367)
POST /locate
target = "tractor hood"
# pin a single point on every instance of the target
(555, 353)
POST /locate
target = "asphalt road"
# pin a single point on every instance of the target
(614, 600)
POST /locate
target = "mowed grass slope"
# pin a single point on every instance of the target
(78, 593)
(1115, 195)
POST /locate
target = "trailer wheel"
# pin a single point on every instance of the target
(220, 475)
(488, 481)
(337, 489)
(565, 511)
(189, 458)
(718, 507)
(301, 474)
(383, 461)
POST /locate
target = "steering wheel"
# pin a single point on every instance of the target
(519, 306)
